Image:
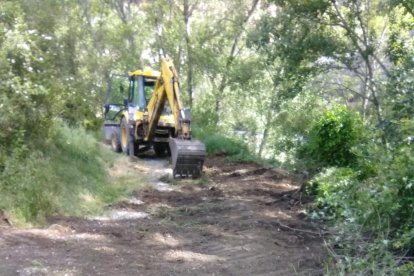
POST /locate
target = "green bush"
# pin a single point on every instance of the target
(398, 178)
(332, 138)
(364, 238)
(333, 188)
(372, 211)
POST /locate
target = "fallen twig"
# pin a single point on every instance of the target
(320, 233)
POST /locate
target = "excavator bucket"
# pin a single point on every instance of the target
(187, 157)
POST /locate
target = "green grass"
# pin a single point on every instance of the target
(66, 174)
(219, 144)
(233, 148)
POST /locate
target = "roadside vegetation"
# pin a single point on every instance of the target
(218, 143)
(321, 88)
(66, 174)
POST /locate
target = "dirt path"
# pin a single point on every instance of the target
(238, 220)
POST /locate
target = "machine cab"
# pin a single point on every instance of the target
(129, 93)
(140, 91)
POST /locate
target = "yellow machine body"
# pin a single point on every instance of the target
(153, 116)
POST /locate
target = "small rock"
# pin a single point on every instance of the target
(135, 201)
(30, 271)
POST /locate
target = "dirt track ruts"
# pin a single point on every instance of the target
(241, 219)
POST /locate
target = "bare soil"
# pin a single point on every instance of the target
(239, 219)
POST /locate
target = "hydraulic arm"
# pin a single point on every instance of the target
(187, 155)
(167, 89)
(137, 119)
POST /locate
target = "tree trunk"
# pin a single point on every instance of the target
(269, 116)
(187, 14)
(125, 12)
(84, 5)
(232, 55)
(362, 44)
(265, 133)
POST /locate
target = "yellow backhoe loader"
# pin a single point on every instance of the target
(137, 119)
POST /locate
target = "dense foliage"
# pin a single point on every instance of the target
(332, 138)
(318, 86)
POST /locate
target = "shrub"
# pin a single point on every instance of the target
(332, 138)
(333, 189)
(365, 239)
(373, 212)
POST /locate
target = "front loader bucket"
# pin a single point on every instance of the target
(187, 157)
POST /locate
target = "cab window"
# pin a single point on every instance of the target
(149, 85)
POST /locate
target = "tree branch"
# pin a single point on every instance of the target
(355, 39)
(231, 56)
(84, 5)
(350, 90)
(239, 34)
(408, 8)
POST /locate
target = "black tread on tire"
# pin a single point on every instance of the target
(125, 137)
(115, 142)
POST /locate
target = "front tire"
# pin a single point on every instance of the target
(115, 142)
(126, 138)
